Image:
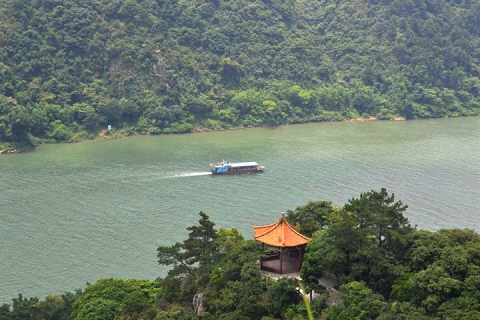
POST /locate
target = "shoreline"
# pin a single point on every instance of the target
(121, 133)
(104, 134)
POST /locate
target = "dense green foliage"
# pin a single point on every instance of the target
(70, 68)
(376, 257)
(54, 307)
(368, 243)
(384, 270)
(115, 298)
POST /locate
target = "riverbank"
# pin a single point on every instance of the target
(8, 151)
(108, 134)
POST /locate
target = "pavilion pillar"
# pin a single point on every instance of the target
(261, 259)
(299, 258)
(281, 261)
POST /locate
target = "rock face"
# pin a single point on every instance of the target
(159, 67)
(198, 306)
(9, 151)
(328, 281)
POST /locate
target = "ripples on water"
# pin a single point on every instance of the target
(74, 213)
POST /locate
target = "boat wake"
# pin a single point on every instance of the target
(192, 174)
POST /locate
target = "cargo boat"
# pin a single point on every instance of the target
(226, 167)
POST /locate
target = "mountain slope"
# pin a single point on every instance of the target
(69, 68)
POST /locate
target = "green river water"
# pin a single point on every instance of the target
(74, 213)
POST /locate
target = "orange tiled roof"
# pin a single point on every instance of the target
(279, 234)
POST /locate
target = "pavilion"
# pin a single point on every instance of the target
(283, 246)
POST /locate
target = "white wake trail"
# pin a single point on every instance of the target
(192, 174)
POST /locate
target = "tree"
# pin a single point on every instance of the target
(227, 239)
(233, 258)
(54, 307)
(99, 309)
(62, 306)
(368, 243)
(192, 260)
(108, 298)
(5, 312)
(282, 293)
(87, 116)
(444, 273)
(199, 247)
(359, 301)
(243, 299)
(313, 216)
(230, 70)
(23, 308)
(168, 255)
(60, 132)
(382, 217)
(112, 112)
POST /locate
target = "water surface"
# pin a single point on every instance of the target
(74, 213)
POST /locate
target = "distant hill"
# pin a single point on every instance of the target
(70, 68)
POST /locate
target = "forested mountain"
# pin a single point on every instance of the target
(70, 68)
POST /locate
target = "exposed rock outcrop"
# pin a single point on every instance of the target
(198, 304)
(159, 67)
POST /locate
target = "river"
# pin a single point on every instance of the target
(74, 213)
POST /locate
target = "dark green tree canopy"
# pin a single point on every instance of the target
(368, 243)
(199, 247)
(311, 217)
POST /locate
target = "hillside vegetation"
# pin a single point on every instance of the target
(71, 68)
